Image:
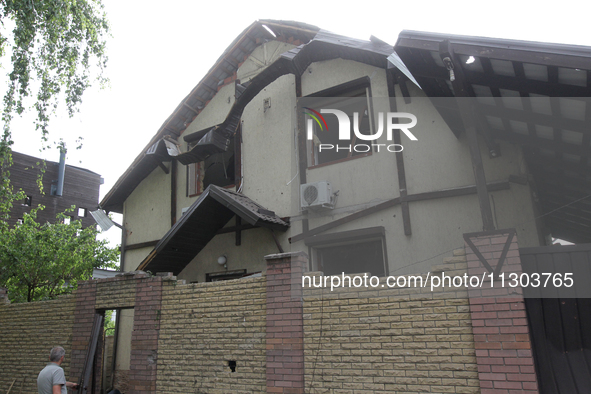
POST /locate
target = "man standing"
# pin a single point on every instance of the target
(51, 379)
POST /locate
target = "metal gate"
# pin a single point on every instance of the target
(561, 327)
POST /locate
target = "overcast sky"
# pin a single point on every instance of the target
(159, 51)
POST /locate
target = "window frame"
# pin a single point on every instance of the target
(197, 169)
(351, 237)
(338, 91)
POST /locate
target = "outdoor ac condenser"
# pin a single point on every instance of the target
(316, 195)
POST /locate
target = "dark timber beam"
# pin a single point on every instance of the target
(460, 87)
(460, 191)
(587, 136)
(526, 140)
(277, 243)
(238, 232)
(162, 166)
(173, 186)
(399, 155)
(191, 108)
(302, 147)
(232, 229)
(209, 88)
(527, 115)
(141, 245)
(517, 83)
(568, 56)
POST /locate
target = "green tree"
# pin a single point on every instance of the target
(42, 261)
(51, 49)
(109, 322)
(54, 47)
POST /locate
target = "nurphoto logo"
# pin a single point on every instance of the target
(388, 121)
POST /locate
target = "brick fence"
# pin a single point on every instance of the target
(267, 334)
(285, 334)
(499, 320)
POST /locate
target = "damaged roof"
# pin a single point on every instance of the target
(535, 95)
(222, 73)
(494, 73)
(202, 221)
(312, 45)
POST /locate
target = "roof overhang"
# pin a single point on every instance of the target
(202, 221)
(531, 94)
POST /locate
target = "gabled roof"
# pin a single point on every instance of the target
(314, 45)
(202, 221)
(222, 73)
(535, 95)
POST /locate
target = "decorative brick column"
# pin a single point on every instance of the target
(501, 333)
(144, 339)
(285, 332)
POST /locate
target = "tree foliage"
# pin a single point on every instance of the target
(52, 51)
(54, 48)
(109, 323)
(41, 261)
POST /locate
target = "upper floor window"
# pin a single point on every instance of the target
(217, 169)
(82, 212)
(322, 130)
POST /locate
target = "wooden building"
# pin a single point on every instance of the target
(80, 188)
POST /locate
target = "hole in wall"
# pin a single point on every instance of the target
(232, 365)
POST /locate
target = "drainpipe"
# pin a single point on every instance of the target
(61, 172)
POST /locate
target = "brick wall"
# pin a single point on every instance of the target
(204, 326)
(360, 340)
(502, 336)
(144, 339)
(83, 321)
(29, 330)
(282, 339)
(285, 334)
(27, 334)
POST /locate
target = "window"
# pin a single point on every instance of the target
(224, 275)
(217, 169)
(350, 252)
(28, 201)
(353, 99)
(81, 212)
(195, 178)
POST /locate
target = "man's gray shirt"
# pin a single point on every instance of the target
(50, 376)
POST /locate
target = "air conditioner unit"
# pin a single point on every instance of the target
(316, 195)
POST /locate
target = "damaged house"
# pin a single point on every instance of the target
(306, 151)
(226, 176)
(244, 168)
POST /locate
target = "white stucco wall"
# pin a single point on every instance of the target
(256, 243)
(269, 146)
(146, 215)
(435, 162)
